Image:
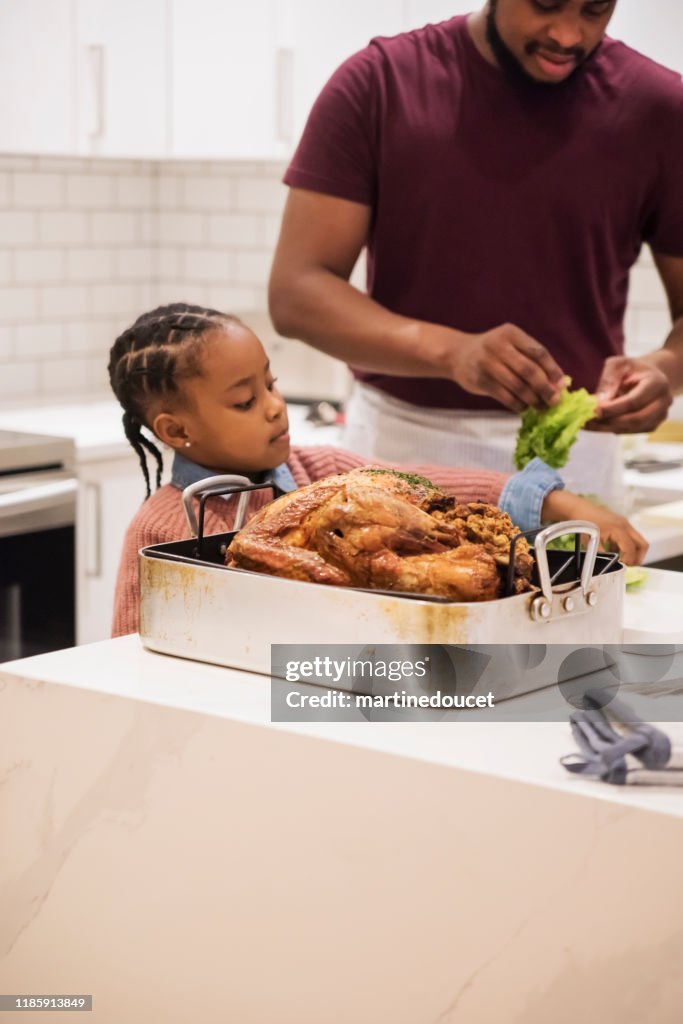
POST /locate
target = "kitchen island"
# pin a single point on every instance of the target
(171, 851)
(99, 439)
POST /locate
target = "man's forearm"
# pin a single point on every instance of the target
(333, 316)
(669, 358)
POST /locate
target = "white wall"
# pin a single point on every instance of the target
(654, 27)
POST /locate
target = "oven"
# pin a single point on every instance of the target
(37, 544)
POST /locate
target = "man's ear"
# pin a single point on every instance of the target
(169, 429)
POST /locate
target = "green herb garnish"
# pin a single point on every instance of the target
(410, 478)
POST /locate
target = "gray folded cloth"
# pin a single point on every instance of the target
(617, 747)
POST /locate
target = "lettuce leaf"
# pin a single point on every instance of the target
(550, 433)
(635, 576)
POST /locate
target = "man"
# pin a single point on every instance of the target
(503, 170)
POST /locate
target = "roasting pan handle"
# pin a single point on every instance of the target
(215, 483)
(550, 533)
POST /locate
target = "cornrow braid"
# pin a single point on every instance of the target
(145, 360)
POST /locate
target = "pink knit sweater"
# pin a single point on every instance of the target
(162, 518)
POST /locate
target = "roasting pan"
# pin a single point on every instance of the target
(193, 606)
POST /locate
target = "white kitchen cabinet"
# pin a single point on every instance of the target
(417, 13)
(654, 29)
(314, 38)
(121, 75)
(225, 79)
(110, 493)
(37, 80)
(84, 77)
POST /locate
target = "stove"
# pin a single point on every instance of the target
(31, 453)
(38, 490)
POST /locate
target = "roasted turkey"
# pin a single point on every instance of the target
(382, 529)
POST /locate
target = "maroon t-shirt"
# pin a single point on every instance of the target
(495, 204)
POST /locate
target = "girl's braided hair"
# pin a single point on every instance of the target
(147, 360)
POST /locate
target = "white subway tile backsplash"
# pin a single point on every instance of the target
(148, 227)
(97, 379)
(63, 301)
(116, 300)
(207, 265)
(38, 265)
(173, 290)
(272, 232)
(103, 165)
(653, 327)
(260, 195)
(235, 169)
(19, 380)
(168, 265)
(135, 191)
(232, 300)
(6, 264)
(205, 193)
(38, 191)
(90, 191)
(17, 227)
(65, 376)
(168, 192)
(262, 297)
(38, 340)
(186, 168)
(359, 273)
(181, 228)
(89, 244)
(62, 164)
(6, 347)
(17, 304)
(236, 230)
(147, 298)
(645, 258)
(114, 227)
(275, 168)
(61, 228)
(83, 265)
(19, 163)
(85, 336)
(646, 287)
(136, 264)
(253, 267)
(630, 328)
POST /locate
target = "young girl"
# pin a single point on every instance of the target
(200, 382)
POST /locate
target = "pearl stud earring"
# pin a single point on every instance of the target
(188, 444)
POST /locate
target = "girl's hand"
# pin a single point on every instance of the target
(616, 533)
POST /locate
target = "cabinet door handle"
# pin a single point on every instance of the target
(93, 530)
(284, 94)
(96, 91)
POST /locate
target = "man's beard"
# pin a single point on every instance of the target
(514, 70)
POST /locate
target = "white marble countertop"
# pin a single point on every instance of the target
(98, 434)
(183, 858)
(516, 750)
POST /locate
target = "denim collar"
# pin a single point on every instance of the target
(185, 472)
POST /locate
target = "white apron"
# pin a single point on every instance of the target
(380, 426)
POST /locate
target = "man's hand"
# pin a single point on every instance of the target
(508, 365)
(633, 396)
